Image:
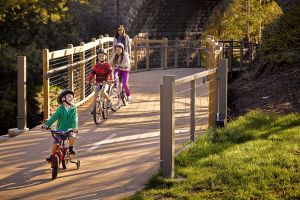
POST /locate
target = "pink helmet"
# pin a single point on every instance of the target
(120, 45)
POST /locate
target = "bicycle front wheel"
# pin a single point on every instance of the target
(97, 113)
(104, 110)
(55, 166)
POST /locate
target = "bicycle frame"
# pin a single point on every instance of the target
(61, 155)
(100, 107)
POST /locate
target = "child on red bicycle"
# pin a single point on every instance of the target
(67, 118)
(103, 72)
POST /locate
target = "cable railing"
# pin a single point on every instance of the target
(69, 68)
(189, 103)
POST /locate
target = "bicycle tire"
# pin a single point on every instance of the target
(55, 166)
(78, 164)
(104, 110)
(123, 97)
(115, 107)
(96, 113)
(115, 100)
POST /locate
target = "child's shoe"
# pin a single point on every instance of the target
(72, 150)
(49, 159)
(129, 99)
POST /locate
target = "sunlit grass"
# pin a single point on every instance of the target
(254, 157)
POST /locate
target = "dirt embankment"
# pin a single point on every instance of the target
(277, 91)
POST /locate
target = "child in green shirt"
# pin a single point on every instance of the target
(66, 117)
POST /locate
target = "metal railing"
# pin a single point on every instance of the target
(240, 54)
(215, 93)
(69, 68)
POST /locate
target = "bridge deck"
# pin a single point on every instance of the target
(117, 157)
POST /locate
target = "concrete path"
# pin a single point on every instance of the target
(117, 157)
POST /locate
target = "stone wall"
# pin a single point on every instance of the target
(141, 15)
(120, 12)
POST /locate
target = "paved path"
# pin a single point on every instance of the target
(117, 157)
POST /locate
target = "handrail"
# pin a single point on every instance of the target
(195, 76)
(217, 102)
(73, 63)
(69, 65)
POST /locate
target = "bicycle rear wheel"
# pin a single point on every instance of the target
(55, 166)
(97, 113)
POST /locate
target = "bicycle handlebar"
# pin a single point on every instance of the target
(57, 132)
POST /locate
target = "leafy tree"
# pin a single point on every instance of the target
(27, 26)
(231, 18)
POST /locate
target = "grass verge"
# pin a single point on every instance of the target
(254, 157)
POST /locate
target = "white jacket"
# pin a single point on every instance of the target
(124, 65)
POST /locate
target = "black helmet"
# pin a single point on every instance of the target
(101, 51)
(62, 94)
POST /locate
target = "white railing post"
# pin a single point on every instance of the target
(167, 126)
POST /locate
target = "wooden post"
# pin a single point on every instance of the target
(188, 54)
(101, 42)
(46, 84)
(166, 52)
(107, 46)
(168, 126)
(230, 55)
(199, 53)
(241, 54)
(70, 69)
(22, 100)
(162, 58)
(192, 111)
(223, 82)
(82, 71)
(211, 91)
(147, 54)
(250, 52)
(176, 52)
(135, 43)
(162, 130)
(94, 52)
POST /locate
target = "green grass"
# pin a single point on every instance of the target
(254, 157)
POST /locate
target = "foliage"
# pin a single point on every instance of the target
(281, 40)
(230, 18)
(254, 157)
(27, 26)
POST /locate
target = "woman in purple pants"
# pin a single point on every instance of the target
(121, 64)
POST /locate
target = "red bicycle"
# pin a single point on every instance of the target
(61, 155)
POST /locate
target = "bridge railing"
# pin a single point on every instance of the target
(240, 54)
(206, 103)
(69, 68)
(163, 53)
